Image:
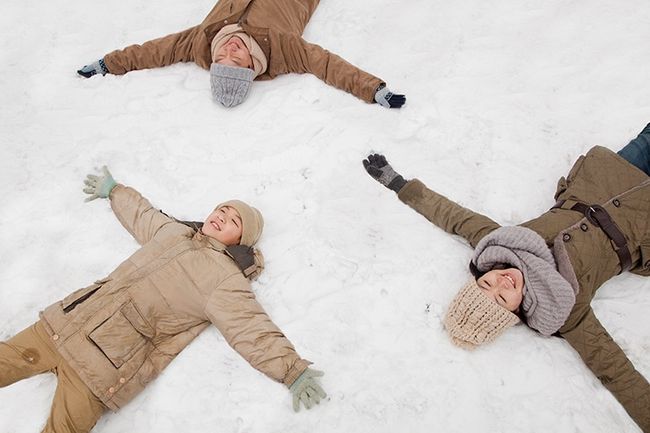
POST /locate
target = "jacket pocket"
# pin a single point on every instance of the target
(77, 297)
(122, 335)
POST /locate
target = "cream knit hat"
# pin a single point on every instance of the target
(474, 319)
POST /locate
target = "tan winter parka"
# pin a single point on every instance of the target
(121, 332)
(276, 25)
(599, 177)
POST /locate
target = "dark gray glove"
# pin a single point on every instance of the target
(98, 67)
(377, 167)
(388, 99)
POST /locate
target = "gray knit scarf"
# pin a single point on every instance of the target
(548, 297)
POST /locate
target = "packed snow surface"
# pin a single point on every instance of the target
(502, 98)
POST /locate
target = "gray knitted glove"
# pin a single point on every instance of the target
(306, 389)
(388, 99)
(377, 167)
(98, 67)
(99, 186)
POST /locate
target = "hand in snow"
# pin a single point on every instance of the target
(99, 186)
(306, 389)
(377, 167)
(98, 67)
(388, 99)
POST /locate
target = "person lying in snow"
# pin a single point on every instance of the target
(243, 40)
(545, 272)
(105, 342)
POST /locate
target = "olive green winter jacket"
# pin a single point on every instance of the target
(276, 25)
(599, 177)
(121, 332)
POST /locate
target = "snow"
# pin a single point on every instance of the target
(502, 98)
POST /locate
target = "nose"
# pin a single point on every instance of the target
(504, 283)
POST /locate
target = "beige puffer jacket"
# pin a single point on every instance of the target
(599, 177)
(121, 332)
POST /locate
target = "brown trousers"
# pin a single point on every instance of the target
(30, 352)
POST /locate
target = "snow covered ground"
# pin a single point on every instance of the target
(502, 98)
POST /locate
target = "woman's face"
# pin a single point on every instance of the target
(504, 286)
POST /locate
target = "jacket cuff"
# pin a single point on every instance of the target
(411, 192)
(117, 187)
(368, 91)
(295, 371)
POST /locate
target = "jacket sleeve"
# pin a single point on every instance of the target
(301, 57)
(136, 214)
(446, 214)
(610, 365)
(164, 51)
(233, 309)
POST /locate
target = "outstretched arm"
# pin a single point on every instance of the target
(303, 57)
(132, 210)
(449, 216)
(170, 49)
(233, 309)
(612, 367)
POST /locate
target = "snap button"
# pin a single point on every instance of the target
(584, 227)
(566, 237)
(111, 390)
(55, 337)
(122, 380)
(616, 202)
(225, 21)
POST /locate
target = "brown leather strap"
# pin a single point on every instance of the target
(598, 216)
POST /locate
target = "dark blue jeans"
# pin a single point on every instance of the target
(637, 151)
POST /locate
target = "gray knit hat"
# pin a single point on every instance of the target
(230, 84)
(548, 297)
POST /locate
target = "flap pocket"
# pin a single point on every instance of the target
(122, 335)
(78, 296)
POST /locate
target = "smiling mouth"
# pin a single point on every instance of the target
(510, 279)
(215, 225)
(235, 40)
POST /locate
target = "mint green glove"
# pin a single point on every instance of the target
(99, 186)
(307, 389)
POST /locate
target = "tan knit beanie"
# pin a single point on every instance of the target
(473, 318)
(252, 221)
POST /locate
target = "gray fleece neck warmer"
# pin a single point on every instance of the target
(548, 297)
(230, 84)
